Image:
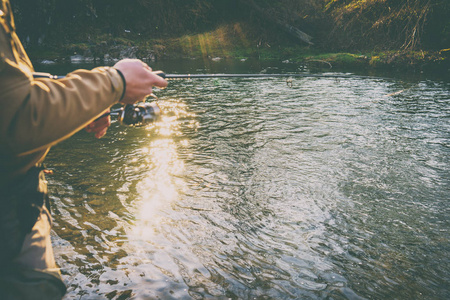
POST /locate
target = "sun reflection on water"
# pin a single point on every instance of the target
(163, 183)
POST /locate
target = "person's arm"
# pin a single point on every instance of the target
(36, 114)
(40, 113)
(53, 110)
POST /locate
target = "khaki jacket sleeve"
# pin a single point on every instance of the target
(36, 114)
(40, 113)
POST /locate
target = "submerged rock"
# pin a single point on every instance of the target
(47, 62)
(76, 59)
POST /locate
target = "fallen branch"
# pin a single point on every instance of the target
(291, 30)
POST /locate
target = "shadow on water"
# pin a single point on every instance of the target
(251, 188)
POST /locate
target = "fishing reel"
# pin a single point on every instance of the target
(139, 114)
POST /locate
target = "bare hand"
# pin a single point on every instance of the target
(139, 80)
(99, 126)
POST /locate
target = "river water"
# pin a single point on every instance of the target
(325, 188)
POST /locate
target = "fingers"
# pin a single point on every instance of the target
(152, 78)
(139, 79)
(159, 81)
(99, 127)
(99, 124)
(147, 67)
(101, 133)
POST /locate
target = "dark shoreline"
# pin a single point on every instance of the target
(436, 63)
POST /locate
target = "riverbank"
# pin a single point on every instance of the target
(233, 42)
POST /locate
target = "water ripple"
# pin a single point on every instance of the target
(253, 189)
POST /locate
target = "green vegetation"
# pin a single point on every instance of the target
(365, 33)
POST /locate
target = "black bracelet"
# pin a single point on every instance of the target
(124, 84)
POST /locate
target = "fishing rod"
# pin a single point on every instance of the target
(145, 112)
(221, 75)
(254, 75)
